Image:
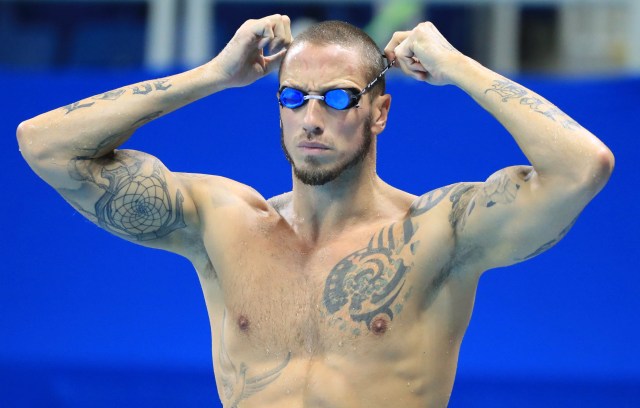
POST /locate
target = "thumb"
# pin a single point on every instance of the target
(273, 61)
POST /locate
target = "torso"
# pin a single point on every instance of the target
(373, 317)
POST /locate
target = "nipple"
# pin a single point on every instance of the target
(379, 325)
(243, 323)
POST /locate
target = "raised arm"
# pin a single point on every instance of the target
(521, 211)
(128, 193)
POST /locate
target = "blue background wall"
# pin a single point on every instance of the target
(89, 320)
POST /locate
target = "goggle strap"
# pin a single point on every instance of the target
(380, 75)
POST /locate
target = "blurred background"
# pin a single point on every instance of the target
(87, 320)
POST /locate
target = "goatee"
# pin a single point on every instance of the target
(314, 176)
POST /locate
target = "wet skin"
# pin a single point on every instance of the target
(312, 306)
(347, 294)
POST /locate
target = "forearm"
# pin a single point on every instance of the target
(95, 126)
(556, 145)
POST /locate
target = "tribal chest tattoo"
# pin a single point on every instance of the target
(368, 288)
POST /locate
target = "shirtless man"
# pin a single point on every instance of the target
(344, 292)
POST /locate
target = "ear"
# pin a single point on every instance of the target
(380, 113)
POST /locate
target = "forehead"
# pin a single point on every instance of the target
(313, 66)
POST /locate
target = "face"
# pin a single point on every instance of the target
(321, 143)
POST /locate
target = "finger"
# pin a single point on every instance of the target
(286, 21)
(262, 31)
(396, 39)
(280, 35)
(404, 57)
(409, 63)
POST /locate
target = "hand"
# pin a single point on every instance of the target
(243, 61)
(423, 53)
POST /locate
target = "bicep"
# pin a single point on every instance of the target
(134, 196)
(514, 216)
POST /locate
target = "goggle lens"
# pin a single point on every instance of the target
(339, 99)
(291, 98)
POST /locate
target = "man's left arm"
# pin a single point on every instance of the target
(519, 212)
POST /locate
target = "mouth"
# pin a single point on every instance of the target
(313, 147)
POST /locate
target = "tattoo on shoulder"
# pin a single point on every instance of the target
(429, 200)
(136, 202)
(237, 385)
(500, 188)
(462, 204)
(508, 90)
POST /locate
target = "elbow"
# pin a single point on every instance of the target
(31, 145)
(600, 170)
(24, 134)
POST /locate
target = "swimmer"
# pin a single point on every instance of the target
(345, 291)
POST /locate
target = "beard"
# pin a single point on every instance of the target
(315, 176)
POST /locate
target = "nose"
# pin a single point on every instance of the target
(313, 124)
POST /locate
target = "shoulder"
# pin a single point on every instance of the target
(209, 191)
(453, 198)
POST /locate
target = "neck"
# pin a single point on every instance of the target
(323, 211)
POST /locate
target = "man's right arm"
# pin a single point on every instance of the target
(129, 193)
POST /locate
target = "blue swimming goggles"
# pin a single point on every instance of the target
(339, 99)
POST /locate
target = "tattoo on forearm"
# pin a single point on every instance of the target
(136, 202)
(508, 90)
(236, 384)
(110, 96)
(547, 245)
(76, 105)
(140, 89)
(146, 119)
(368, 286)
(143, 89)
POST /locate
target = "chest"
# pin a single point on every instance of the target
(362, 287)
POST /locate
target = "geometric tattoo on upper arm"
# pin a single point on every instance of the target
(136, 205)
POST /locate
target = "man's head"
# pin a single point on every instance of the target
(319, 141)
